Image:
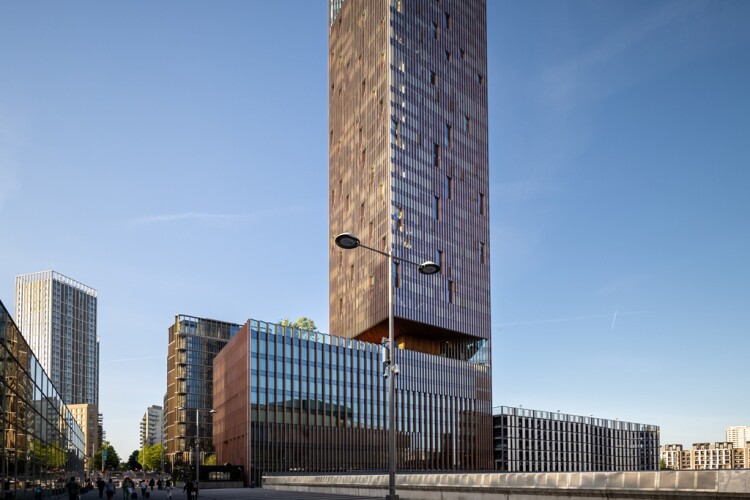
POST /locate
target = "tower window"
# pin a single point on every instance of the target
(439, 259)
(396, 275)
(481, 203)
(467, 124)
(433, 78)
(462, 54)
(447, 55)
(451, 292)
(436, 155)
(448, 187)
(447, 21)
(480, 79)
(436, 208)
(448, 135)
(481, 252)
(435, 31)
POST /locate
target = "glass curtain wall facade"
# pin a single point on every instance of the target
(193, 344)
(318, 403)
(41, 441)
(57, 316)
(541, 441)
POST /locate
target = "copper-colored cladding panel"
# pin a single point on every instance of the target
(230, 396)
(408, 166)
(409, 172)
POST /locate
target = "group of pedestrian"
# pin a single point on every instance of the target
(128, 488)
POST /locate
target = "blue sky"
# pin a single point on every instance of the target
(173, 155)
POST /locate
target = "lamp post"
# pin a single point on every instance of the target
(197, 438)
(348, 241)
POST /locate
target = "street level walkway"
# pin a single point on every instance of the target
(235, 493)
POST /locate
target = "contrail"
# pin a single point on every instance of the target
(614, 319)
(565, 320)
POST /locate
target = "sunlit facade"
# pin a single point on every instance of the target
(317, 403)
(87, 417)
(409, 175)
(543, 441)
(42, 442)
(193, 344)
(152, 426)
(57, 316)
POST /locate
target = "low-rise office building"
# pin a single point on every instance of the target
(41, 441)
(293, 400)
(541, 441)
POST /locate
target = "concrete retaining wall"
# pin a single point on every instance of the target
(724, 484)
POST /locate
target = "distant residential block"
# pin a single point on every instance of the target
(542, 441)
(705, 456)
(87, 416)
(739, 436)
(152, 424)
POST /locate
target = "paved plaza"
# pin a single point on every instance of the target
(238, 493)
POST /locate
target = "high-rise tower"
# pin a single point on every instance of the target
(409, 171)
(57, 317)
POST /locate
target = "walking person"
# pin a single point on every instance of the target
(143, 488)
(110, 489)
(100, 484)
(73, 489)
(189, 488)
(151, 484)
(169, 488)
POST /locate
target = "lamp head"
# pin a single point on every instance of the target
(347, 241)
(429, 267)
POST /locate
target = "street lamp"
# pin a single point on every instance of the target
(348, 241)
(197, 438)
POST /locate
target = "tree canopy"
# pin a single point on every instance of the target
(133, 462)
(112, 461)
(152, 460)
(303, 323)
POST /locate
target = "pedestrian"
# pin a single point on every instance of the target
(74, 490)
(169, 488)
(100, 484)
(127, 488)
(151, 484)
(110, 488)
(143, 488)
(189, 488)
(38, 492)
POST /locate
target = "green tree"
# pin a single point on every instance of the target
(152, 458)
(112, 459)
(303, 323)
(133, 462)
(209, 459)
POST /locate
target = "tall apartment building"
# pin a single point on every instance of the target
(193, 344)
(706, 456)
(57, 316)
(739, 436)
(541, 441)
(409, 174)
(152, 424)
(87, 416)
